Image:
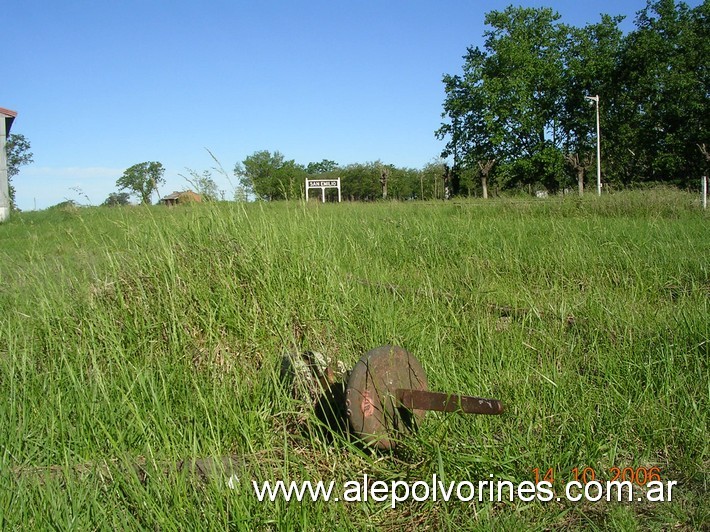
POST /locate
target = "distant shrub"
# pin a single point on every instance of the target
(117, 198)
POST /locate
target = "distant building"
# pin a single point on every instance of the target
(6, 119)
(186, 196)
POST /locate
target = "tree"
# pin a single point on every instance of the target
(506, 106)
(270, 176)
(326, 166)
(403, 183)
(116, 198)
(466, 119)
(523, 75)
(706, 156)
(521, 99)
(384, 171)
(485, 167)
(142, 179)
(663, 94)
(476, 134)
(66, 205)
(580, 166)
(429, 179)
(18, 152)
(590, 63)
(361, 182)
(203, 184)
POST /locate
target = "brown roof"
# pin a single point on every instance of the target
(178, 195)
(174, 195)
(9, 118)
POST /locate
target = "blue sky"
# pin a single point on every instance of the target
(100, 86)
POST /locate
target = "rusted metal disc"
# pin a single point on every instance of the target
(375, 414)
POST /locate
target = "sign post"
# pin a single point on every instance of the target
(322, 184)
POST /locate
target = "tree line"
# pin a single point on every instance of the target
(518, 117)
(270, 176)
(518, 114)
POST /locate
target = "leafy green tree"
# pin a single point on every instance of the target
(18, 152)
(523, 75)
(361, 182)
(403, 183)
(590, 58)
(203, 184)
(326, 166)
(430, 182)
(270, 176)
(476, 135)
(366, 182)
(384, 170)
(663, 91)
(66, 205)
(117, 198)
(465, 118)
(142, 179)
(520, 101)
(506, 106)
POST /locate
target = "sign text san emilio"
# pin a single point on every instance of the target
(322, 184)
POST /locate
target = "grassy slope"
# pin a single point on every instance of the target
(157, 333)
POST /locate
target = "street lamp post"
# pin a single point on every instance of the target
(595, 99)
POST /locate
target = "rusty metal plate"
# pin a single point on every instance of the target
(373, 408)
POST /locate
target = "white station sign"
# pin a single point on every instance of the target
(322, 184)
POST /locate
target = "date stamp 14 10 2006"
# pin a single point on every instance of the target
(615, 483)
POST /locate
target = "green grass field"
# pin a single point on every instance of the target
(154, 335)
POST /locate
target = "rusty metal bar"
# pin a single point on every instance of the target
(446, 402)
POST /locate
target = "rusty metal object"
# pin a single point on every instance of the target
(387, 395)
(371, 405)
(446, 402)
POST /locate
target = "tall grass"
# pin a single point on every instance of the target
(153, 335)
